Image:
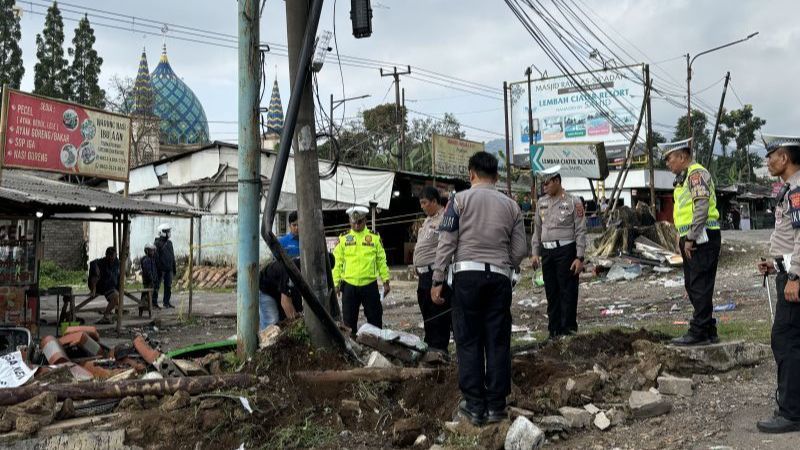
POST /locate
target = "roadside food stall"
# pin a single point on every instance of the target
(39, 135)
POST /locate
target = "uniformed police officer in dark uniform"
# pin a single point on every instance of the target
(783, 160)
(559, 238)
(696, 218)
(483, 236)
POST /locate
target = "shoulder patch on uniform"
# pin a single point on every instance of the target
(579, 209)
(794, 207)
(450, 218)
(698, 185)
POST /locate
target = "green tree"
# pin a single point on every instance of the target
(701, 145)
(739, 126)
(422, 129)
(658, 161)
(85, 70)
(11, 68)
(51, 73)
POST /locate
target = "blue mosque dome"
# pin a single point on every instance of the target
(183, 119)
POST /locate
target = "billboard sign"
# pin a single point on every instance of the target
(577, 159)
(565, 113)
(451, 155)
(39, 133)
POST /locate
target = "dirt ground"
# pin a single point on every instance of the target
(721, 413)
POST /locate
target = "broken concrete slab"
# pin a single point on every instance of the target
(719, 357)
(514, 412)
(524, 435)
(376, 359)
(601, 421)
(616, 416)
(591, 408)
(670, 385)
(645, 404)
(393, 349)
(576, 417)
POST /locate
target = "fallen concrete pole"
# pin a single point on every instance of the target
(121, 389)
(363, 374)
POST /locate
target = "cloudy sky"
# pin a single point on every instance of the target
(460, 51)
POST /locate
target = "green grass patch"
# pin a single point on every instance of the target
(50, 275)
(462, 441)
(297, 332)
(307, 435)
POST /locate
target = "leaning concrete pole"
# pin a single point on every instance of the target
(302, 20)
(249, 192)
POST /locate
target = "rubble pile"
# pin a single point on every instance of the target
(636, 233)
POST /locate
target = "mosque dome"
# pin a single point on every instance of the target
(183, 119)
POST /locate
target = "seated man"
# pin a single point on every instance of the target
(104, 278)
(275, 286)
(149, 276)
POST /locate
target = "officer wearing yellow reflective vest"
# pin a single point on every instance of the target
(697, 221)
(360, 260)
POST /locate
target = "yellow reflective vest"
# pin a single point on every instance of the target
(360, 259)
(683, 212)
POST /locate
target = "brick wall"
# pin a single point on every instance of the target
(63, 243)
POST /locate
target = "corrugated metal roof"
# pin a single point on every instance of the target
(30, 191)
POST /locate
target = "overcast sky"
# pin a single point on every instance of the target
(476, 40)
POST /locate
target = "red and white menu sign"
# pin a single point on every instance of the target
(44, 134)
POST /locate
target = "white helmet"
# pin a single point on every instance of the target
(163, 229)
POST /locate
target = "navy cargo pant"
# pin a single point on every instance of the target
(355, 296)
(561, 289)
(482, 331)
(436, 318)
(786, 349)
(699, 275)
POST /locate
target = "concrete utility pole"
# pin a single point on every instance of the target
(397, 111)
(249, 189)
(313, 251)
(508, 147)
(719, 116)
(649, 142)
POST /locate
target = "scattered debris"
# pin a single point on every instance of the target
(646, 404)
(524, 435)
(730, 306)
(576, 417)
(624, 272)
(376, 359)
(601, 421)
(268, 336)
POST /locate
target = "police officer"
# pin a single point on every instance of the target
(783, 160)
(165, 263)
(559, 243)
(360, 260)
(436, 317)
(483, 235)
(697, 220)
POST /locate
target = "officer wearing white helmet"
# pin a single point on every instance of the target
(359, 261)
(165, 263)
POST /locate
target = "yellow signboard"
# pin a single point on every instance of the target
(451, 155)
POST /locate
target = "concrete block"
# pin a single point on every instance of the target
(645, 404)
(576, 417)
(670, 385)
(524, 435)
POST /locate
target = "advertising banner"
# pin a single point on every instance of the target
(51, 135)
(565, 113)
(577, 159)
(451, 155)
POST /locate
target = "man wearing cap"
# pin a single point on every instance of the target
(165, 262)
(483, 235)
(436, 317)
(559, 243)
(783, 160)
(697, 220)
(359, 261)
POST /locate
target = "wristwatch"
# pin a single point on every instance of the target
(793, 276)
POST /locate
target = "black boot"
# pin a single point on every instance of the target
(690, 339)
(778, 424)
(475, 417)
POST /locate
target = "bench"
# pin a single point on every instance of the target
(70, 309)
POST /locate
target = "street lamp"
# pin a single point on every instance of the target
(335, 104)
(689, 63)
